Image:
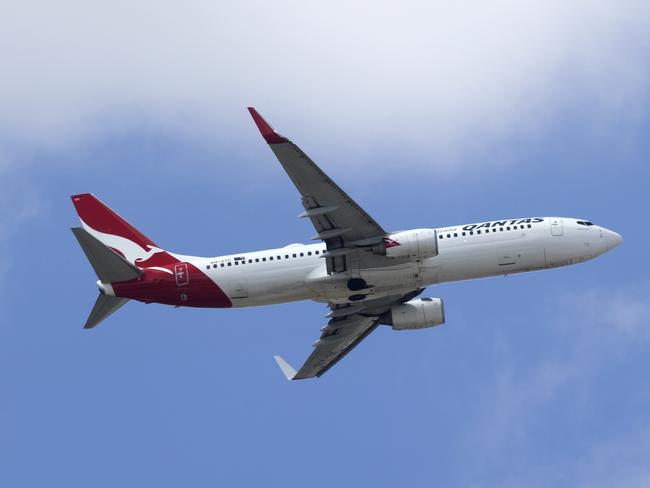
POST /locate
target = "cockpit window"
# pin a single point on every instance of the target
(584, 222)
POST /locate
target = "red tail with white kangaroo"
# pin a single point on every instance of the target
(129, 265)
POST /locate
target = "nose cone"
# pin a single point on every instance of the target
(613, 239)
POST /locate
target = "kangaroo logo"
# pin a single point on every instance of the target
(131, 251)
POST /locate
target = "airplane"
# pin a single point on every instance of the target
(366, 275)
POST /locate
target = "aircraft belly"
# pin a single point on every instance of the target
(488, 261)
(530, 259)
(386, 281)
(272, 287)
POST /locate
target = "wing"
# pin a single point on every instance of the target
(347, 327)
(332, 346)
(338, 220)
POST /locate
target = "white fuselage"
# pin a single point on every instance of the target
(297, 272)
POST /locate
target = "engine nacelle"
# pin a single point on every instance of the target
(418, 313)
(416, 244)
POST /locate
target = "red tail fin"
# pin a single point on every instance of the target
(95, 214)
(115, 232)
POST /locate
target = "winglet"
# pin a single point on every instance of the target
(268, 133)
(286, 368)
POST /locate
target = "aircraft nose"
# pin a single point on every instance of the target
(613, 239)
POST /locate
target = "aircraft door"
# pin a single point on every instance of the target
(181, 273)
(557, 229)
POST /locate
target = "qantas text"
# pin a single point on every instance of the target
(501, 223)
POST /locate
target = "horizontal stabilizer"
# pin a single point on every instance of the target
(104, 306)
(286, 368)
(108, 265)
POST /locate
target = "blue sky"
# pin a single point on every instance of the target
(535, 380)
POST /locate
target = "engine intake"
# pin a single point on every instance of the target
(414, 244)
(419, 313)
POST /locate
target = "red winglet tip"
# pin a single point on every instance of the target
(268, 133)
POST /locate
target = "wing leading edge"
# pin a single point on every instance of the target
(338, 220)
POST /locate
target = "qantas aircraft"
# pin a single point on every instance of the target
(366, 275)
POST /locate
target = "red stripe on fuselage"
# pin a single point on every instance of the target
(156, 286)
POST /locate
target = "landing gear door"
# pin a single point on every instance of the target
(556, 227)
(239, 289)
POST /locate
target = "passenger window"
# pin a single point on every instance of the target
(455, 234)
(441, 236)
(448, 236)
(286, 256)
(478, 231)
(471, 232)
(250, 261)
(207, 267)
(529, 226)
(500, 229)
(236, 263)
(507, 228)
(309, 253)
(222, 265)
(264, 259)
(229, 264)
(279, 257)
(257, 260)
(494, 230)
(302, 254)
(294, 256)
(317, 252)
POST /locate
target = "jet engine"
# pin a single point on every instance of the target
(418, 313)
(414, 244)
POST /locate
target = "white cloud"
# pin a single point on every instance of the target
(443, 76)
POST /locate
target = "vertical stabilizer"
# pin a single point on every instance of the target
(113, 231)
